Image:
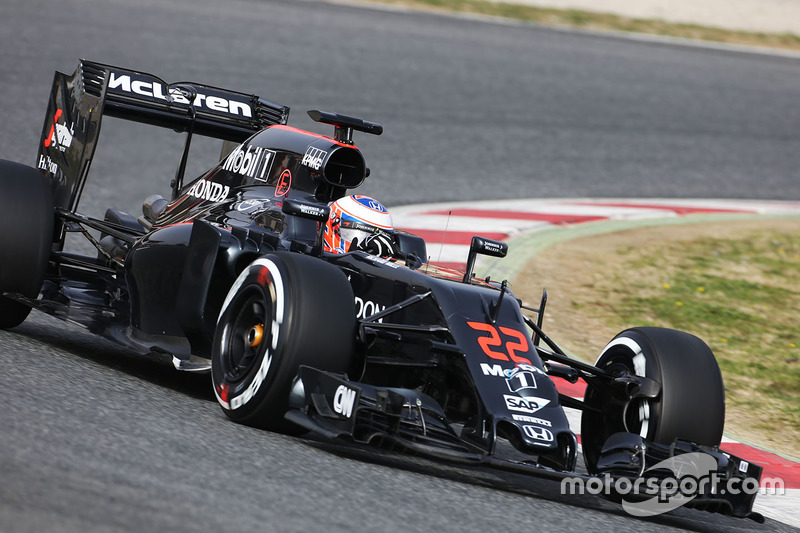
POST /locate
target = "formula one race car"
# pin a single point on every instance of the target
(373, 347)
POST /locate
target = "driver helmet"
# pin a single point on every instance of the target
(353, 220)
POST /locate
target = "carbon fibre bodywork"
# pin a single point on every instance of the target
(444, 364)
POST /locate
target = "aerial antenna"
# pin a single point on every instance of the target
(444, 234)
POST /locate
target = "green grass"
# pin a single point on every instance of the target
(741, 295)
(604, 21)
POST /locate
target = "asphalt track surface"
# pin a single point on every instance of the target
(93, 438)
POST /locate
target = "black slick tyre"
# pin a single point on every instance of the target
(690, 405)
(26, 234)
(284, 310)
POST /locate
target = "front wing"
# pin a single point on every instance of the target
(334, 407)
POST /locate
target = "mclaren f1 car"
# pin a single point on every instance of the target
(230, 275)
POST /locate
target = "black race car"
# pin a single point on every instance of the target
(230, 275)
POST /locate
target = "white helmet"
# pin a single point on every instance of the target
(356, 221)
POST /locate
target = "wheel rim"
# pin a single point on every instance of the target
(244, 340)
(636, 414)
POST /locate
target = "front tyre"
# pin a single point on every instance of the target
(284, 310)
(690, 406)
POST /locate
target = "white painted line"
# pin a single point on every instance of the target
(781, 507)
(459, 223)
(448, 253)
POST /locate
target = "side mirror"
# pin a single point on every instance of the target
(301, 209)
(483, 246)
(320, 213)
(153, 207)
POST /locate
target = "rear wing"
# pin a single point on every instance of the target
(79, 101)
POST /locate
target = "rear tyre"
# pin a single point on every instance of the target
(284, 310)
(26, 235)
(690, 406)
